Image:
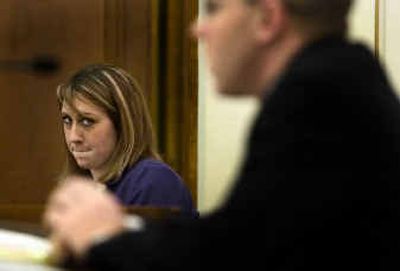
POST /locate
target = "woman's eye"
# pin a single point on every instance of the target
(66, 120)
(211, 7)
(87, 122)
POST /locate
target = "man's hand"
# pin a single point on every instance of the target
(78, 213)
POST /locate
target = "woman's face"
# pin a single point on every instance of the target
(90, 135)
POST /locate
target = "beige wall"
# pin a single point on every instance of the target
(389, 39)
(224, 123)
(362, 22)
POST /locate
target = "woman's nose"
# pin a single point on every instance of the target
(75, 133)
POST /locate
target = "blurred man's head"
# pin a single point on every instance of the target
(318, 17)
(249, 42)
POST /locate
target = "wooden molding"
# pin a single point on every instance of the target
(178, 70)
(377, 40)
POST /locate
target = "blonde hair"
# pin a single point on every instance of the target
(117, 93)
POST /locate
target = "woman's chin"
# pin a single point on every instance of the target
(83, 164)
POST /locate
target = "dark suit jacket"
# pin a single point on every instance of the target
(319, 189)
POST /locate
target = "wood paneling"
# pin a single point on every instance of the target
(178, 83)
(29, 217)
(139, 35)
(30, 138)
(190, 98)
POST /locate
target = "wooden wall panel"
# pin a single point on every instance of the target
(30, 138)
(178, 85)
(128, 33)
(190, 98)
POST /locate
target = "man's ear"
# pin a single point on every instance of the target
(272, 19)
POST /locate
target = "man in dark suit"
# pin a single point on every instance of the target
(320, 185)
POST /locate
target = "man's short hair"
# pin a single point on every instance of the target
(318, 16)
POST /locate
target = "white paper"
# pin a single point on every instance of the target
(22, 247)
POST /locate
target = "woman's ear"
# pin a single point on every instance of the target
(271, 20)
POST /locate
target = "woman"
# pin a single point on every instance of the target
(109, 138)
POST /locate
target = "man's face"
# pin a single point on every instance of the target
(228, 33)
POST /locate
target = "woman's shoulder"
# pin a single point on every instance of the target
(153, 167)
(153, 164)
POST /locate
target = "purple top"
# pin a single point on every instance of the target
(152, 182)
